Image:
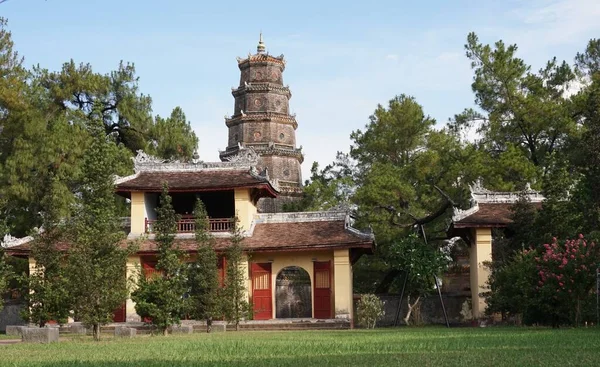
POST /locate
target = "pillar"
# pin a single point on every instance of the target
(479, 254)
(342, 284)
(138, 213)
(244, 208)
(133, 272)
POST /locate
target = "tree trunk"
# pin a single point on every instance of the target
(165, 332)
(410, 308)
(96, 331)
(237, 326)
(208, 324)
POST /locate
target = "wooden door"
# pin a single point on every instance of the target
(322, 289)
(262, 294)
(119, 314)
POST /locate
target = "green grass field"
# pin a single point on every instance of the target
(384, 347)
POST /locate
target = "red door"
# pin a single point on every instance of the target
(119, 314)
(322, 289)
(262, 295)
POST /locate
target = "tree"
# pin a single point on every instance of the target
(235, 303)
(421, 263)
(6, 274)
(97, 262)
(160, 297)
(406, 175)
(510, 287)
(47, 287)
(523, 110)
(329, 188)
(203, 281)
(173, 137)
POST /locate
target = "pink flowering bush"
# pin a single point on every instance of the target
(566, 278)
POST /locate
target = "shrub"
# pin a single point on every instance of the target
(369, 310)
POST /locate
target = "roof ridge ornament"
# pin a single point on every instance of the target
(480, 194)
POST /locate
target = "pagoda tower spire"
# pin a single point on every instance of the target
(261, 121)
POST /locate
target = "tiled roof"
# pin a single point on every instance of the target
(289, 236)
(488, 215)
(206, 180)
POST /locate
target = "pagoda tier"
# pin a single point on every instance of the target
(261, 120)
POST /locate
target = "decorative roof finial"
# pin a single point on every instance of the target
(261, 45)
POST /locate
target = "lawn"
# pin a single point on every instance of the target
(384, 347)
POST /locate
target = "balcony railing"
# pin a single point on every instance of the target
(188, 225)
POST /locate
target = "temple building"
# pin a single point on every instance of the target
(297, 265)
(489, 210)
(262, 121)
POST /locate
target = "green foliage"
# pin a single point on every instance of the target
(369, 310)
(47, 285)
(331, 187)
(203, 281)
(160, 298)
(422, 261)
(526, 110)
(172, 137)
(235, 304)
(552, 284)
(6, 274)
(47, 121)
(97, 262)
(511, 287)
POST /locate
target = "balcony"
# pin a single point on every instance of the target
(187, 224)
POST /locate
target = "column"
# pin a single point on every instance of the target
(479, 254)
(133, 272)
(342, 284)
(138, 213)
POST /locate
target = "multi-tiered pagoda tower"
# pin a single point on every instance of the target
(261, 120)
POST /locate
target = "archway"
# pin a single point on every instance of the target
(293, 293)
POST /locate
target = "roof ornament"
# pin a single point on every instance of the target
(10, 241)
(244, 156)
(261, 48)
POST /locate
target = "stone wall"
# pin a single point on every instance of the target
(431, 310)
(10, 315)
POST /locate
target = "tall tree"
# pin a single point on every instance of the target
(47, 285)
(97, 262)
(173, 137)
(160, 298)
(522, 109)
(235, 302)
(203, 281)
(125, 111)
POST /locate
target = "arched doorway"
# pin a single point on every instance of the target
(293, 293)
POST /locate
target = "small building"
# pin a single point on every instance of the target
(298, 265)
(489, 210)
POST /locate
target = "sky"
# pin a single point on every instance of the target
(343, 57)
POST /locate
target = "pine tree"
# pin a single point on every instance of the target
(97, 262)
(235, 303)
(160, 298)
(203, 281)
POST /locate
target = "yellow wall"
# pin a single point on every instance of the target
(342, 281)
(282, 260)
(480, 252)
(244, 208)
(138, 213)
(133, 269)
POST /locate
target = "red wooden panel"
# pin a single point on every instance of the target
(322, 289)
(119, 314)
(262, 293)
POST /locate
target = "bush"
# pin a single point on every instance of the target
(369, 310)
